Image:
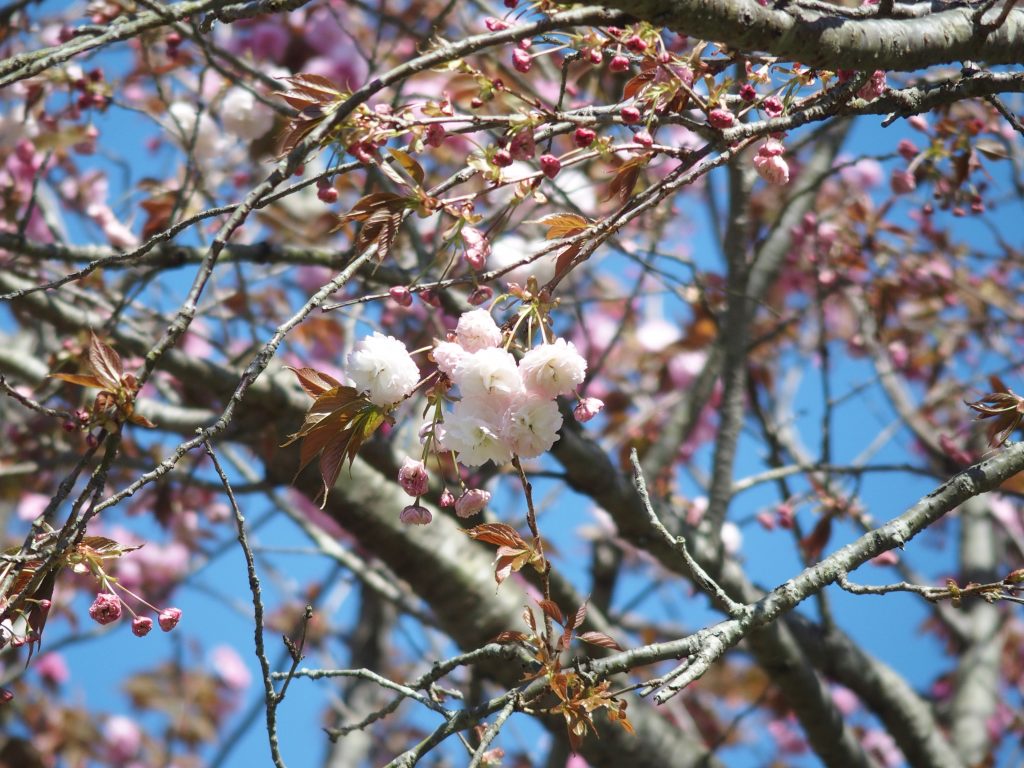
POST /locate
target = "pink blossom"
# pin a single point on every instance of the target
(478, 247)
(874, 87)
(521, 60)
(413, 477)
(721, 118)
(522, 146)
(230, 668)
(381, 367)
(142, 626)
(553, 369)
(583, 137)
(587, 409)
(414, 514)
(31, 505)
(122, 738)
(530, 426)
(471, 502)
(902, 182)
(448, 355)
(447, 498)
(477, 330)
(106, 608)
(550, 165)
(400, 295)
(169, 618)
(770, 164)
(772, 106)
(52, 668)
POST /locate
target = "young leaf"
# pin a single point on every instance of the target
(563, 225)
(600, 639)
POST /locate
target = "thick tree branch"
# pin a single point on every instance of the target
(831, 40)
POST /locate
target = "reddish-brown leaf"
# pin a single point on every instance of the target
(81, 380)
(498, 534)
(511, 636)
(600, 639)
(106, 364)
(314, 382)
(552, 610)
(813, 544)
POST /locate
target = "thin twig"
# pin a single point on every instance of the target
(272, 698)
(678, 543)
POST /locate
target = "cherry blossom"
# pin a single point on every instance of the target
(381, 367)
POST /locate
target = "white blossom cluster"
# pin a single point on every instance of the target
(505, 408)
(380, 366)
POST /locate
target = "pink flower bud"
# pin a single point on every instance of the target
(478, 247)
(902, 182)
(630, 115)
(495, 25)
(770, 164)
(720, 118)
(747, 92)
(414, 514)
(619, 63)
(471, 502)
(918, 123)
(436, 135)
(413, 477)
(169, 618)
(503, 158)
(587, 409)
(550, 165)
(141, 626)
(583, 137)
(447, 498)
(874, 87)
(521, 60)
(644, 138)
(327, 195)
(594, 56)
(106, 608)
(522, 146)
(401, 295)
(636, 44)
(772, 106)
(907, 149)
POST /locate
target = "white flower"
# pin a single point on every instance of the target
(530, 426)
(489, 373)
(470, 431)
(447, 355)
(381, 366)
(181, 118)
(553, 369)
(477, 330)
(245, 116)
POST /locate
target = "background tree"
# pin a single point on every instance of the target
(631, 312)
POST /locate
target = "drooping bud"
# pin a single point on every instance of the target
(141, 626)
(169, 618)
(413, 477)
(587, 409)
(414, 514)
(471, 502)
(106, 608)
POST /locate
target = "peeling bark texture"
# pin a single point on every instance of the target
(837, 39)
